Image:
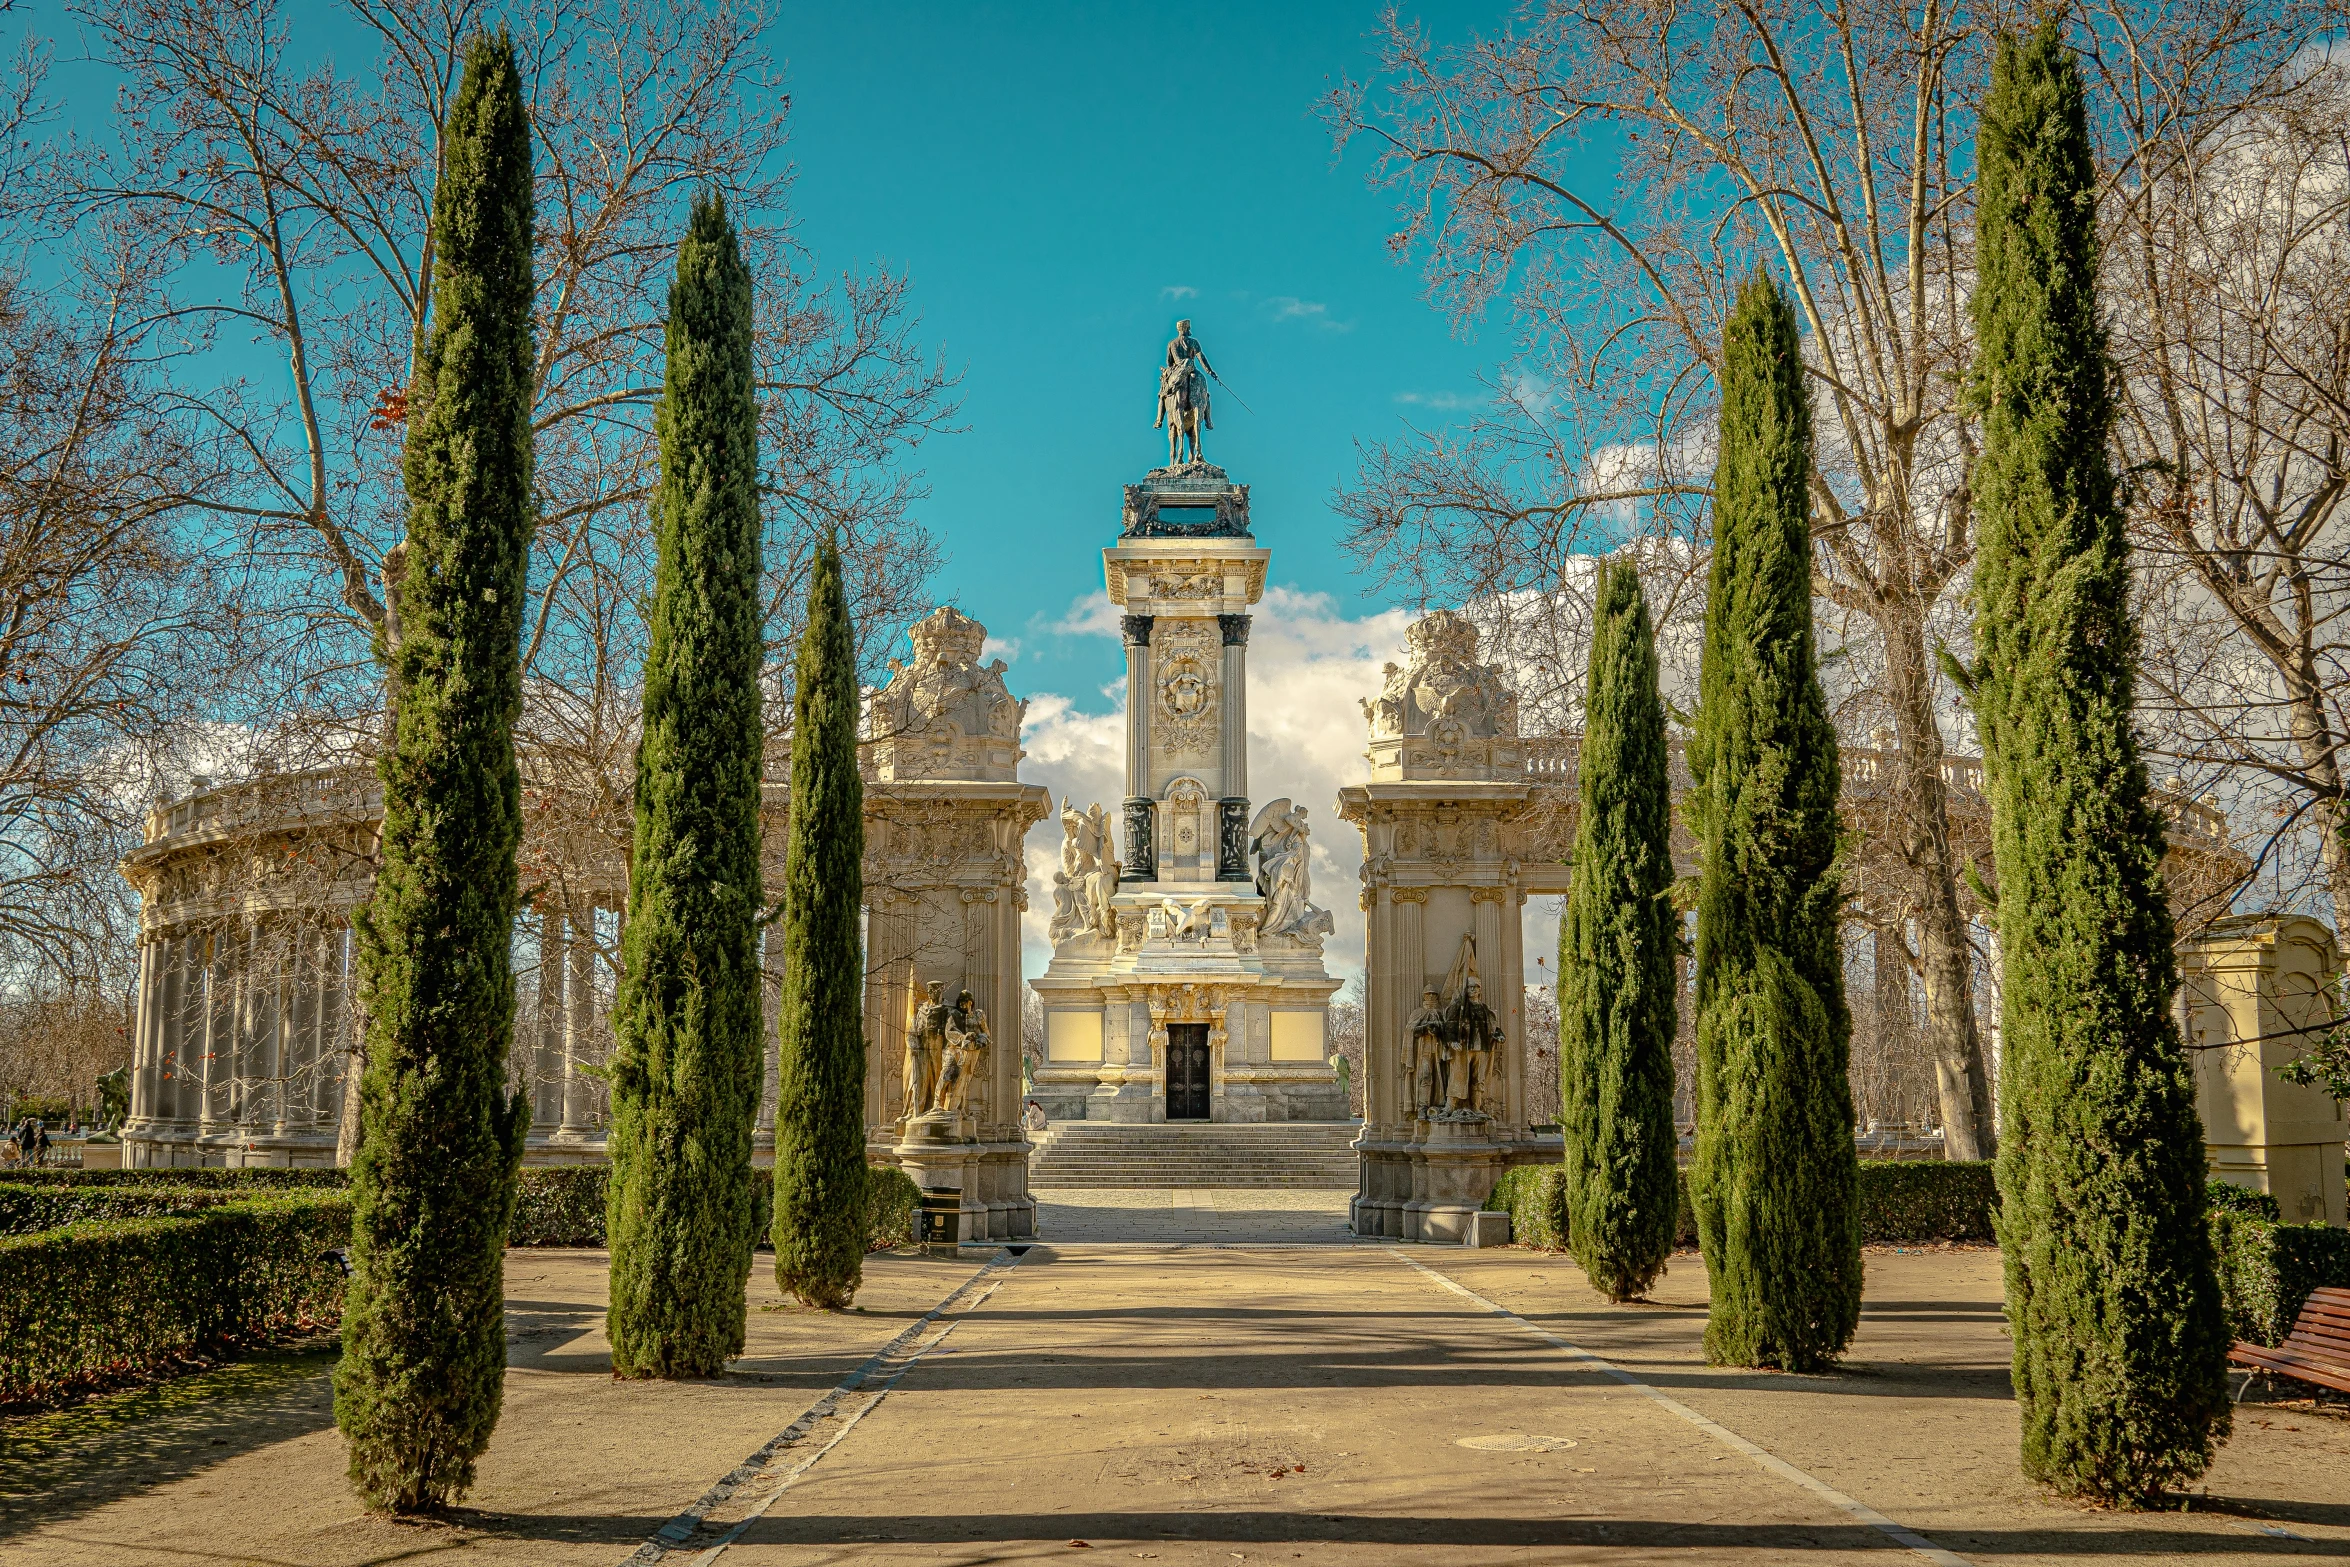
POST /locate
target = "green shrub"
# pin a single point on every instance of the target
(115, 1300)
(893, 1205)
(1900, 1203)
(1535, 1198)
(565, 1206)
(556, 1205)
(53, 1110)
(1926, 1200)
(260, 1179)
(2267, 1270)
(560, 1205)
(2227, 1197)
(27, 1209)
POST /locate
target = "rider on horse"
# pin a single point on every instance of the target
(1183, 393)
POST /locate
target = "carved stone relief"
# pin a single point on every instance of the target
(1186, 722)
(946, 715)
(1444, 714)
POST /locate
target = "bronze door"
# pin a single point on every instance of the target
(1187, 1071)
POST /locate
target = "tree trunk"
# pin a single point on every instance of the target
(347, 1128)
(1922, 805)
(2315, 733)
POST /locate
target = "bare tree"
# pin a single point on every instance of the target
(287, 212)
(279, 208)
(1615, 170)
(2229, 261)
(1348, 1041)
(111, 618)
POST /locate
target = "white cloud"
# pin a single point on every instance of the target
(1439, 400)
(1288, 307)
(1309, 664)
(1091, 616)
(1531, 393)
(1005, 648)
(1179, 291)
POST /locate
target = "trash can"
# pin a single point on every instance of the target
(942, 1217)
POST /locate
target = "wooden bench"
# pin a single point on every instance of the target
(2318, 1348)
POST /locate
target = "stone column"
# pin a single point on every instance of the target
(1138, 707)
(147, 1043)
(342, 1054)
(179, 999)
(985, 1104)
(1408, 968)
(276, 1010)
(1493, 972)
(1141, 861)
(579, 1016)
(1378, 904)
(310, 992)
(771, 1043)
(220, 1023)
(1232, 809)
(1513, 941)
(546, 1056)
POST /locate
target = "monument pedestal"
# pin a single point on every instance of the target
(976, 1189)
(1455, 1163)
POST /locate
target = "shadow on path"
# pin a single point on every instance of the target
(63, 1464)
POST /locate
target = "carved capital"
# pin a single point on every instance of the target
(1137, 629)
(1488, 894)
(1407, 895)
(1235, 629)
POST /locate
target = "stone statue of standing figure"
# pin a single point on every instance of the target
(1183, 396)
(926, 1044)
(1284, 872)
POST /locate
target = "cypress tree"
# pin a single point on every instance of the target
(424, 1338)
(820, 1106)
(685, 1079)
(2120, 1349)
(1617, 951)
(1776, 1178)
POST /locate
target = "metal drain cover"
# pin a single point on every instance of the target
(1515, 1442)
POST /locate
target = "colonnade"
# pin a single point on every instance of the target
(242, 1042)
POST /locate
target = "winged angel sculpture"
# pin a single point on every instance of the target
(1284, 872)
(1088, 877)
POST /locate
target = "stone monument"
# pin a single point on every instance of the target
(1186, 981)
(945, 879)
(1450, 855)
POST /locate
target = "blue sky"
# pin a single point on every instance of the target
(1050, 174)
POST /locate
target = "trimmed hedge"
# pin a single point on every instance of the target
(893, 1205)
(1908, 1201)
(2266, 1270)
(1901, 1203)
(560, 1205)
(556, 1205)
(27, 1209)
(212, 1176)
(115, 1300)
(564, 1206)
(2227, 1197)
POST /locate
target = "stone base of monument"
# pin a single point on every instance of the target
(1431, 1187)
(973, 1192)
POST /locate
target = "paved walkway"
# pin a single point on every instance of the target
(1215, 1216)
(1182, 1403)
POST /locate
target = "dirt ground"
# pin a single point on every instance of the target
(1180, 1403)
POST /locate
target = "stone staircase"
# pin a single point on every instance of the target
(1310, 1155)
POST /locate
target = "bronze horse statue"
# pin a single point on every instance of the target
(1183, 409)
